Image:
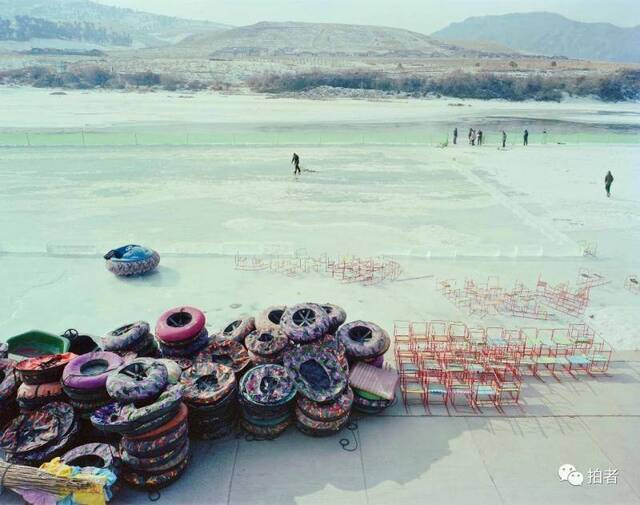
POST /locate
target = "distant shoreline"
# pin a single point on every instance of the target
(619, 86)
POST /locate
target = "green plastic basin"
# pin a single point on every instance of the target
(36, 343)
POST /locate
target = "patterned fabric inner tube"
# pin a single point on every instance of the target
(336, 314)
(87, 407)
(267, 385)
(9, 380)
(179, 454)
(138, 381)
(131, 259)
(266, 343)
(43, 369)
(42, 429)
(146, 448)
(365, 403)
(237, 329)
(94, 455)
(126, 337)
(226, 352)
(364, 340)
(319, 428)
(119, 418)
(174, 370)
(29, 432)
(332, 344)
(171, 456)
(41, 392)
(265, 431)
(269, 319)
(316, 373)
(305, 322)
(180, 324)
(171, 425)
(154, 481)
(90, 371)
(187, 351)
(337, 409)
(206, 383)
(257, 359)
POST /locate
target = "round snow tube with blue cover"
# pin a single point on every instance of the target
(131, 260)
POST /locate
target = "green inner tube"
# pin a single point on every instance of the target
(367, 396)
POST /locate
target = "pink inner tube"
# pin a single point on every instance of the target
(180, 324)
(90, 371)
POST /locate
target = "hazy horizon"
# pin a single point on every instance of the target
(424, 16)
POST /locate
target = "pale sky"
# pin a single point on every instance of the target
(423, 16)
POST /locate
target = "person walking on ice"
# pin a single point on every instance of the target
(526, 137)
(455, 136)
(296, 164)
(607, 183)
(479, 137)
(504, 139)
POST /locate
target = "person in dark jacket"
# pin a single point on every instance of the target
(455, 136)
(296, 164)
(607, 183)
(479, 137)
(504, 139)
(526, 137)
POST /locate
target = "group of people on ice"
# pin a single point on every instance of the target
(473, 138)
(477, 137)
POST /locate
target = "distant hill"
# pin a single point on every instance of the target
(550, 35)
(277, 39)
(123, 27)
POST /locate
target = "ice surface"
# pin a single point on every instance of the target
(452, 212)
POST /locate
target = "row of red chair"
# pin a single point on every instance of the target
(447, 360)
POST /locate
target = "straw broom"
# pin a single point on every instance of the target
(26, 477)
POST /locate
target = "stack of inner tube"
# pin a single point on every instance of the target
(364, 342)
(9, 384)
(210, 391)
(156, 458)
(181, 332)
(237, 329)
(131, 339)
(324, 397)
(266, 346)
(226, 352)
(155, 444)
(36, 437)
(40, 379)
(324, 419)
(266, 395)
(84, 380)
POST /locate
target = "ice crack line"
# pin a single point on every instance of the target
(536, 222)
